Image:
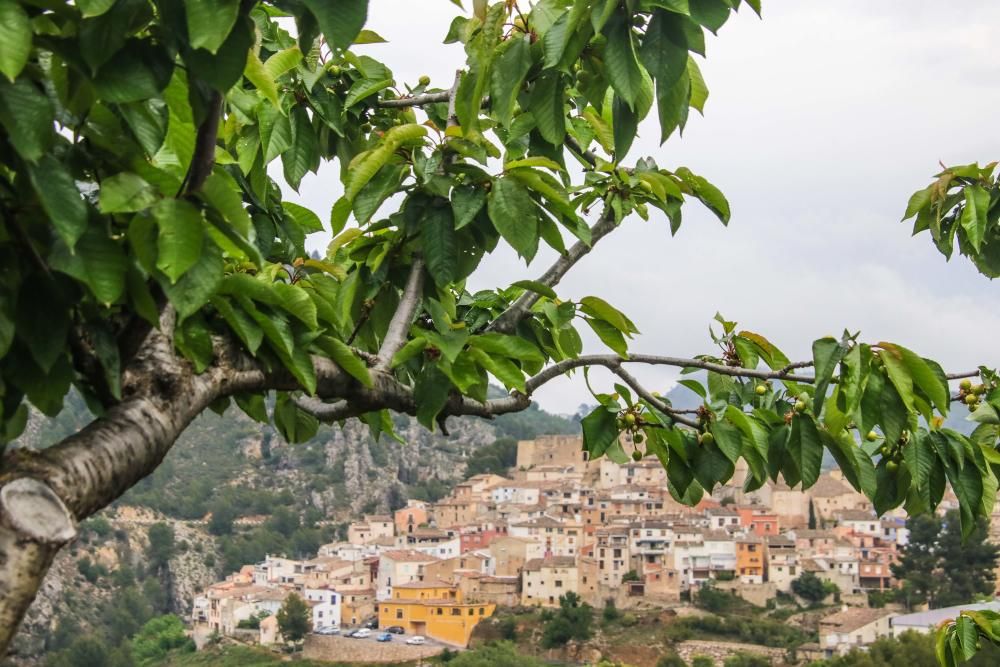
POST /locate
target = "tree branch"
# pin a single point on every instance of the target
(399, 325)
(508, 320)
(416, 100)
(660, 405)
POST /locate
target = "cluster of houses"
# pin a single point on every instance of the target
(560, 523)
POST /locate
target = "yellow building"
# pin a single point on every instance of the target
(437, 611)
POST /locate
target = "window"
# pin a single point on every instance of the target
(482, 611)
(558, 583)
(455, 611)
(440, 611)
(399, 613)
(472, 611)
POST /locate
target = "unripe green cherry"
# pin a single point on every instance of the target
(630, 419)
(637, 455)
(706, 438)
(872, 436)
(971, 399)
(760, 390)
(800, 405)
(424, 80)
(965, 385)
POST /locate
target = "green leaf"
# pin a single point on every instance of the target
(409, 351)
(240, 322)
(672, 105)
(364, 88)
(924, 376)
(827, 353)
(600, 432)
(15, 38)
(699, 91)
(514, 347)
(514, 214)
(302, 155)
(340, 21)
(919, 200)
(709, 195)
(538, 288)
(977, 202)
(710, 13)
(97, 261)
(502, 369)
(210, 21)
(806, 449)
(27, 115)
(466, 202)
(547, 106)
(625, 126)
(602, 310)
(91, 8)
(898, 373)
(258, 76)
(306, 220)
(294, 424)
(369, 37)
(430, 391)
(664, 50)
(221, 191)
(60, 199)
(967, 635)
(296, 302)
(223, 69)
(624, 71)
(138, 71)
(181, 235)
(437, 232)
(282, 61)
(198, 283)
(126, 193)
(609, 335)
(344, 356)
(507, 78)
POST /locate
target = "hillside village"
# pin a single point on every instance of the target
(557, 524)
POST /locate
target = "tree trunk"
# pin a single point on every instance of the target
(43, 494)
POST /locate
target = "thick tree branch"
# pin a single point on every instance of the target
(399, 325)
(508, 320)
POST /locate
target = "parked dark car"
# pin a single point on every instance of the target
(396, 630)
(372, 623)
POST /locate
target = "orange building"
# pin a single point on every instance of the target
(438, 611)
(411, 517)
(750, 559)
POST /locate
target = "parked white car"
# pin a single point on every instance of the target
(363, 633)
(327, 630)
(416, 641)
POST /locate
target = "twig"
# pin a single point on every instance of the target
(508, 320)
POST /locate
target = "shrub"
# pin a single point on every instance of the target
(702, 661)
(670, 659)
(610, 612)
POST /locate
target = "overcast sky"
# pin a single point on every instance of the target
(822, 119)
